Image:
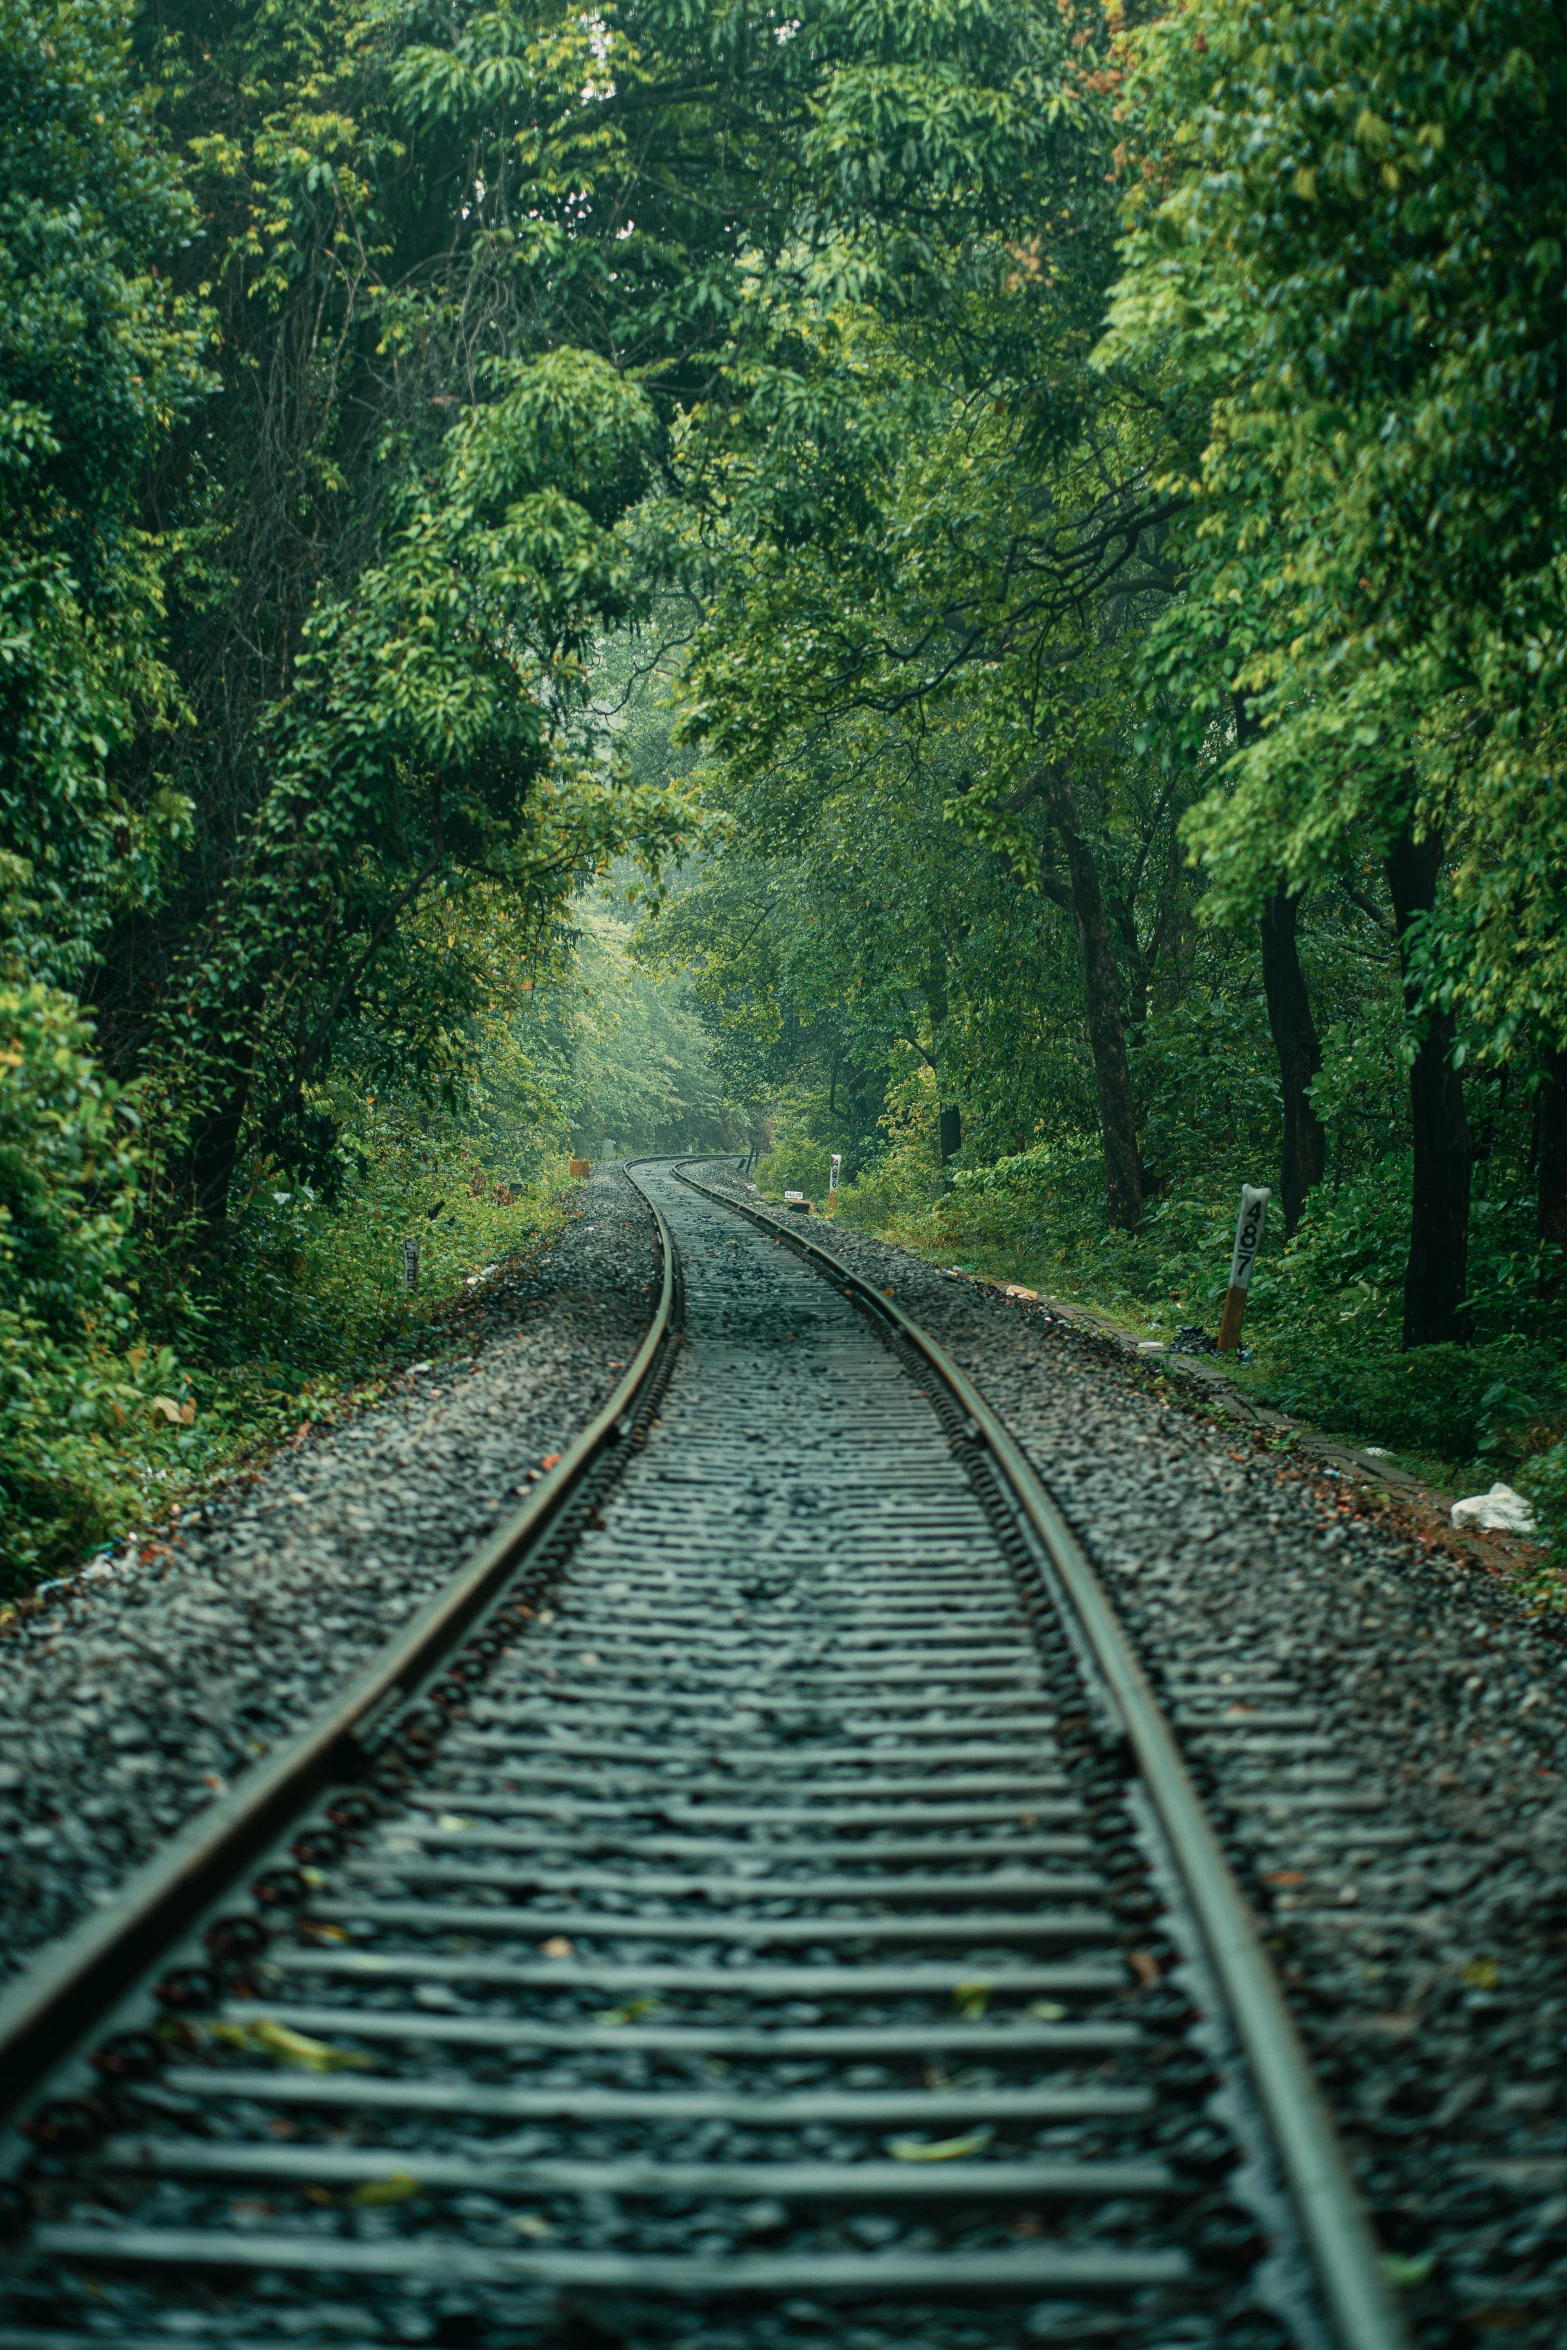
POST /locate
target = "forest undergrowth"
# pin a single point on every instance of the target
(984, 591)
(1322, 1337)
(136, 1367)
(305, 1315)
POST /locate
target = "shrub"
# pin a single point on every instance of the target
(1324, 1320)
(101, 1425)
(1483, 1404)
(311, 1286)
(68, 1380)
(1544, 1481)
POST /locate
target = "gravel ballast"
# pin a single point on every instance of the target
(1387, 1763)
(136, 1693)
(1381, 1730)
(689, 1767)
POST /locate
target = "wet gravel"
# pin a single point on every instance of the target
(1390, 1778)
(1380, 1730)
(778, 1752)
(135, 1695)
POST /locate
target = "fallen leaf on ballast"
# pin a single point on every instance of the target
(1284, 1877)
(971, 2000)
(316, 2056)
(939, 2149)
(1047, 2011)
(632, 2012)
(266, 2038)
(401, 2187)
(556, 1947)
(1404, 2270)
(320, 1930)
(531, 2223)
(1145, 1967)
(1482, 1974)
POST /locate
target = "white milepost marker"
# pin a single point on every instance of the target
(834, 1170)
(1248, 1234)
(411, 1262)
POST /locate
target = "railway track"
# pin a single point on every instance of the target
(759, 1902)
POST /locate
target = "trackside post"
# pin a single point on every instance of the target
(1248, 1235)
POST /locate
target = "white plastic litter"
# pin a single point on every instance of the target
(1501, 1511)
(1376, 1452)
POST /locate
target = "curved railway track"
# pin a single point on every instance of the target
(759, 1902)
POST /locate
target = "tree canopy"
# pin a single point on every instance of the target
(1026, 534)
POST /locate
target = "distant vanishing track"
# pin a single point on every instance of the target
(788, 1901)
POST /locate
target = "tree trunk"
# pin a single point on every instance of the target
(866, 1097)
(1294, 1030)
(1102, 996)
(1483, 1136)
(1550, 1198)
(949, 1118)
(213, 1149)
(1436, 1276)
(1300, 1053)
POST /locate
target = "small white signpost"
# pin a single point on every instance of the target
(834, 1170)
(410, 1263)
(1248, 1235)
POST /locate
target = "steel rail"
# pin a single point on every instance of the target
(1333, 2222)
(70, 1985)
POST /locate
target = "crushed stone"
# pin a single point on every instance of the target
(137, 1692)
(1398, 1814)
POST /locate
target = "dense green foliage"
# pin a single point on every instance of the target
(98, 358)
(1022, 551)
(1167, 529)
(335, 368)
(1353, 247)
